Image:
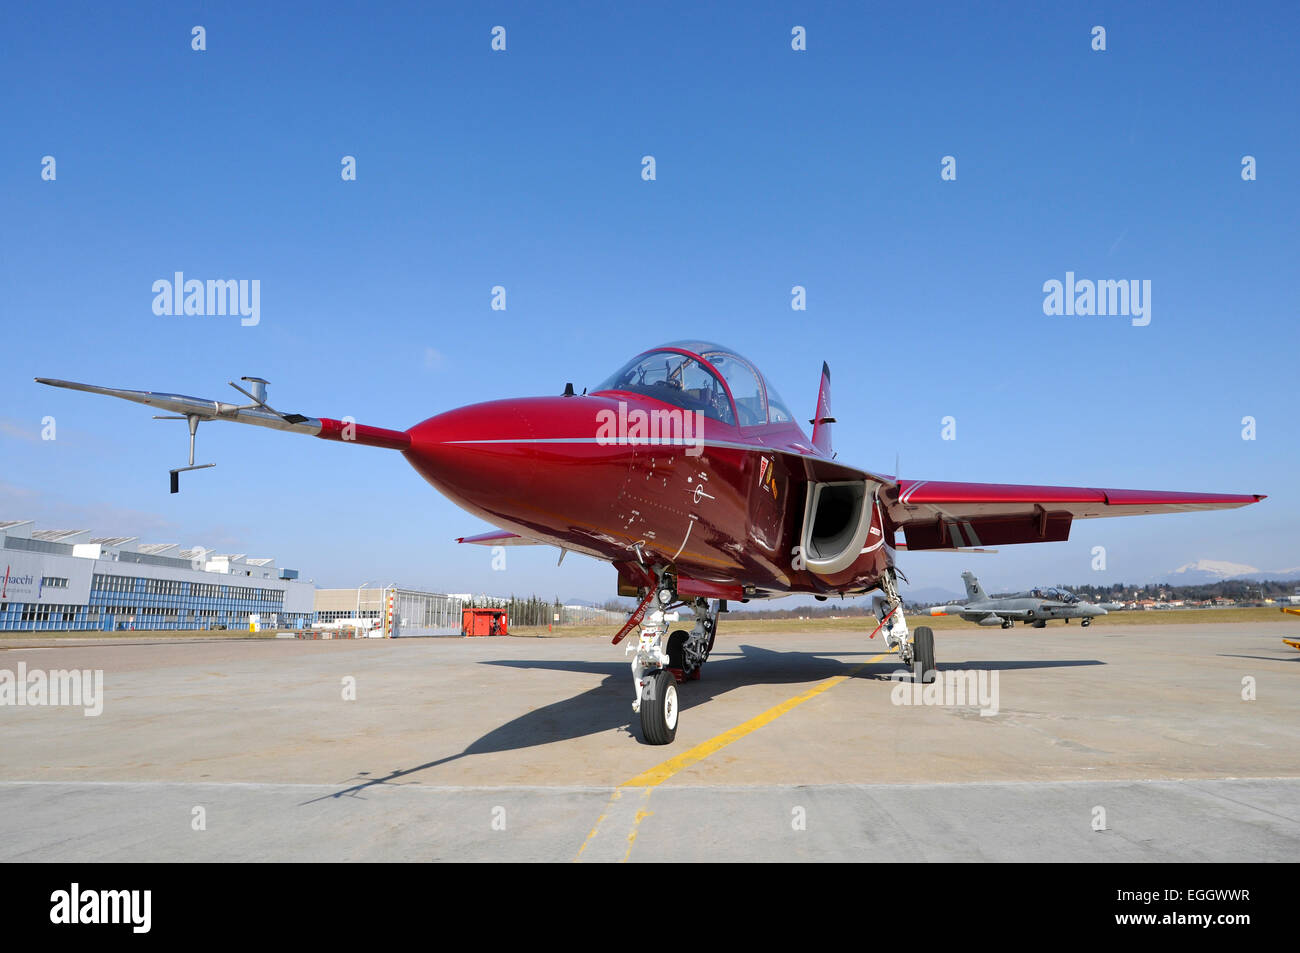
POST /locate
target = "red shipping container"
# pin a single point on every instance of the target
(483, 622)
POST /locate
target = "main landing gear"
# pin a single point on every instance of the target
(915, 649)
(662, 660)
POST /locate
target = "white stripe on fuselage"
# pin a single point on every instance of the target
(906, 498)
(648, 442)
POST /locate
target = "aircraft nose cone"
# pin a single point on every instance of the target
(535, 463)
(475, 453)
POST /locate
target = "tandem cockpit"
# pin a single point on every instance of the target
(1055, 594)
(697, 375)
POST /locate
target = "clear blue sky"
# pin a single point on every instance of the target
(775, 168)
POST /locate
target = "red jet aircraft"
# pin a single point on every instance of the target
(688, 473)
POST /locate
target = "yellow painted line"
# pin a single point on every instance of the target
(661, 773)
(618, 793)
(641, 815)
(649, 780)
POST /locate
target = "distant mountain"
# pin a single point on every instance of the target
(1211, 570)
(627, 604)
(930, 594)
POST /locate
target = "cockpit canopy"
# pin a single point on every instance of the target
(1055, 594)
(697, 375)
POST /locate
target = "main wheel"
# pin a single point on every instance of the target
(677, 649)
(923, 652)
(659, 708)
(1085, 622)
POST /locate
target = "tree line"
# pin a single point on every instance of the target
(529, 611)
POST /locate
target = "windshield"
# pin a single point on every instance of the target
(745, 387)
(685, 381)
(1055, 595)
(676, 379)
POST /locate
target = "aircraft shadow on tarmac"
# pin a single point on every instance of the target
(1263, 658)
(608, 706)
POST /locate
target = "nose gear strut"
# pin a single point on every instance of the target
(660, 662)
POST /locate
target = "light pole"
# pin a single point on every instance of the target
(359, 588)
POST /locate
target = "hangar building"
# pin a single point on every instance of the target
(65, 580)
(398, 611)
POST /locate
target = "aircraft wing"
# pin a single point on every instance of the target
(500, 537)
(982, 612)
(941, 515)
(1020, 614)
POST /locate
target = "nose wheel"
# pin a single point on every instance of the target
(661, 661)
(659, 708)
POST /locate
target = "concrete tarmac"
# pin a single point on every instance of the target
(1172, 742)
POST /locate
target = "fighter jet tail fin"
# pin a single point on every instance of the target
(822, 419)
(974, 591)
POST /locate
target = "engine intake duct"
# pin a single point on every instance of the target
(837, 519)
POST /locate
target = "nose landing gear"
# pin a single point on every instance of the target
(660, 664)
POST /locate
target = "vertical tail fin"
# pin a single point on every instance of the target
(974, 591)
(822, 419)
